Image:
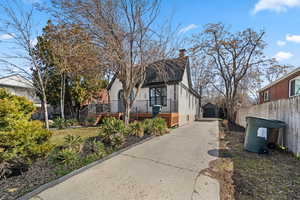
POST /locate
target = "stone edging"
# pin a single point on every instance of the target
(78, 171)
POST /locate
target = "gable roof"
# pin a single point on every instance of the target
(280, 79)
(165, 71)
(16, 80)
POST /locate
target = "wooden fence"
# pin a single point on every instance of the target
(287, 110)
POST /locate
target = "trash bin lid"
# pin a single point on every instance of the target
(267, 123)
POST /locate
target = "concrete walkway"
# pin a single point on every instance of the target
(164, 168)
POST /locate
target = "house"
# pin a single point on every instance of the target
(174, 92)
(20, 86)
(286, 87)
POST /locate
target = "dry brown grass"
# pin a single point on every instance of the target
(249, 176)
(272, 176)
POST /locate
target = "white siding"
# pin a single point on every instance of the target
(141, 103)
(188, 105)
(19, 86)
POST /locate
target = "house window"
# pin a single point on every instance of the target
(158, 96)
(266, 96)
(295, 87)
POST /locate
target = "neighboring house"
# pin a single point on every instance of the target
(286, 87)
(173, 91)
(20, 86)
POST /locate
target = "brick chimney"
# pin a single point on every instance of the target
(182, 53)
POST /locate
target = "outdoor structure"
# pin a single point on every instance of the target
(286, 87)
(173, 91)
(20, 86)
(210, 110)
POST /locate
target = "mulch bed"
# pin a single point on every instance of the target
(39, 173)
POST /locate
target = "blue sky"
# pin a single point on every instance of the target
(279, 18)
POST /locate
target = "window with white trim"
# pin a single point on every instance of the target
(294, 87)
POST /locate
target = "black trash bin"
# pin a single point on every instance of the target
(257, 132)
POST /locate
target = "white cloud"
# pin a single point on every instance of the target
(5, 37)
(275, 5)
(281, 43)
(188, 28)
(33, 42)
(282, 55)
(293, 38)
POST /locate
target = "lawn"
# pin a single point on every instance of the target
(244, 175)
(84, 132)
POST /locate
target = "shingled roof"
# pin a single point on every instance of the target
(166, 71)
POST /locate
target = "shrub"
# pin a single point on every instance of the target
(136, 129)
(155, 126)
(21, 141)
(73, 142)
(13, 110)
(112, 132)
(61, 123)
(67, 157)
(94, 147)
(71, 122)
(23, 145)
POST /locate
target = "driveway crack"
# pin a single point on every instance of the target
(158, 162)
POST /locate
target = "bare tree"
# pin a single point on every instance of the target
(233, 55)
(125, 32)
(17, 23)
(201, 72)
(275, 71)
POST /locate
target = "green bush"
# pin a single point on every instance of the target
(13, 110)
(94, 147)
(71, 122)
(23, 145)
(155, 126)
(112, 132)
(73, 142)
(21, 141)
(136, 129)
(59, 123)
(67, 157)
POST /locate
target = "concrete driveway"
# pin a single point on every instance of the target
(163, 168)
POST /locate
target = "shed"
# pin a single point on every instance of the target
(211, 111)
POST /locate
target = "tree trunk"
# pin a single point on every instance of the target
(45, 110)
(127, 113)
(62, 96)
(44, 101)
